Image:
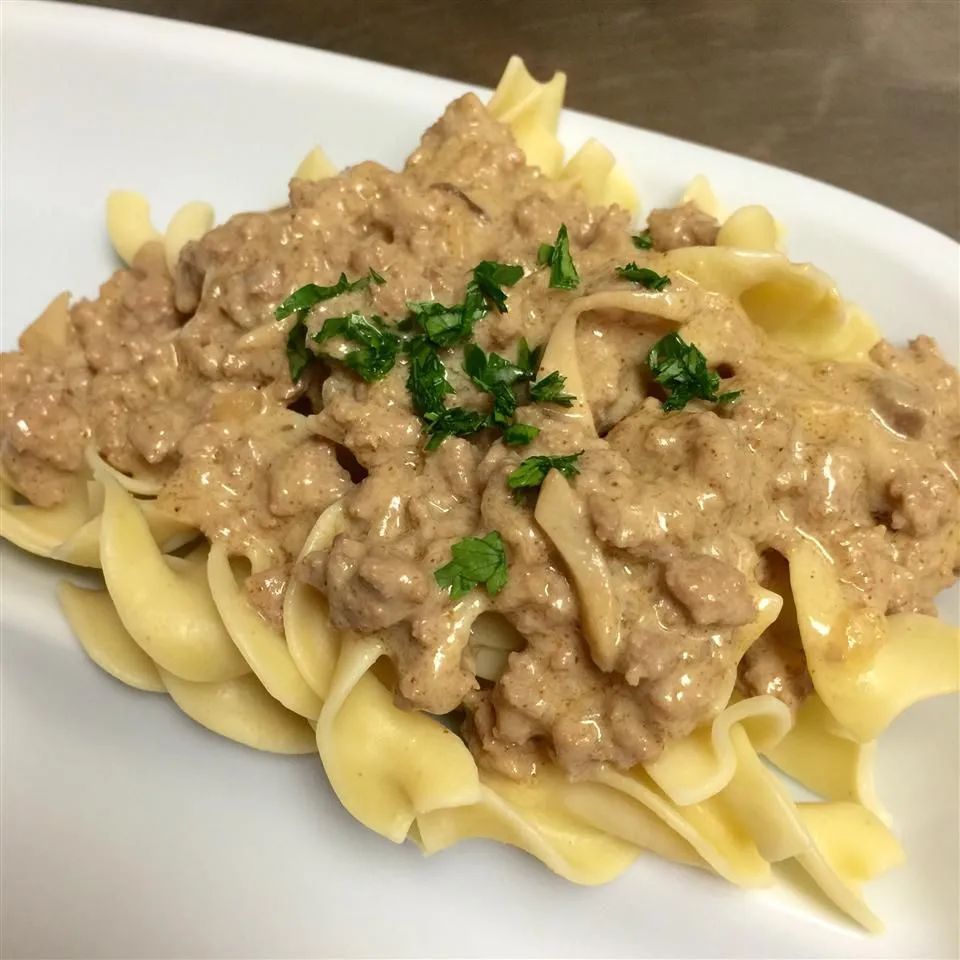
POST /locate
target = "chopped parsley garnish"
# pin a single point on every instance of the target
(447, 326)
(476, 560)
(442, 326)
(298, 356)
(533, 471)
(644, 276)
(550, 390)
(495, 375)
(520, 434)
(311, 294)
(452, 422)
(489, 279)
(427, 377)
(643, 240)
(682, 369)
(528, 360)
(563, 273)
(378, 346)
(300, 302)
(428, 386)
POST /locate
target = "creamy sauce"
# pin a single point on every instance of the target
(184, 380)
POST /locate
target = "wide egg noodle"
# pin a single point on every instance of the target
(492, 639)
(532, 112)
(795, 304)
(130, 228)
(94, 620)
(560, 352)
(82, 548)
(41, 530)
(707, 828)
(850, 846)
(818, 756)
(388, 765)
(128, 223)
(190, 222)
(313, 641)
(867, 668)
(700, 192)
(315, 165)
(562, 517)
(594, 169)
(751, 228)
(241, 710)
(703, 763)
(263, 647)
(166, 607)
(534, 817)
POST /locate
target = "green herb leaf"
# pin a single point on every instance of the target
(489, 279)
(298, 356)
(643, 241)
(644, 276)
(528, 360)
(682, 369)
(442, 326)
(563, 273)
(533, 470)
(427, 377)
(519, 434)
(310, 294)
(378, 350)
(495, 375)
(476, 560)
(446, 326)
(452, 422)
(550, 390)
(300, 302)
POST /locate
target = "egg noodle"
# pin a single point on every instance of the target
(173, 615)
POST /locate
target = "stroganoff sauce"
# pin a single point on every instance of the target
(186, 380)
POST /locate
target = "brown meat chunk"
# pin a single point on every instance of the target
(683, 226)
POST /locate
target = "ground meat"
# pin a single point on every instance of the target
(776, 667)
(683, 226)
(266, 590)
(186, 381)
(711, 591)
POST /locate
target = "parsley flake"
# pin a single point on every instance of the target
(550, 390)
(476, 560)
(489, 279)
(643, 240)
(682, 369)
(427, 377)
(310, 294)
(644, 276)
(378, 346)
(494, 375)
(442, 326)
(300, 302)
(528, 360)
(520, 434)
(452, 422)
(447, 326)
(298, 355)
(563, 273)
(533, 471)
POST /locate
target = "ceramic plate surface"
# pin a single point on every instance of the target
(129, 831)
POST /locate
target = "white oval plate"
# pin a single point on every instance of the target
(129, 831)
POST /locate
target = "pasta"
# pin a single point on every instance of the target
(319, 529)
